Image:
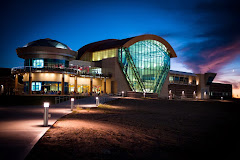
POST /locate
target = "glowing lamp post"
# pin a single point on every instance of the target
(45, 115)
(144, 94)
(72, 102)
(194, 95)
(97, 101)
(2, 89)
(122, 93)
(183, 94)
(221, 98)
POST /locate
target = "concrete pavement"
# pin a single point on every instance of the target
(22, 126)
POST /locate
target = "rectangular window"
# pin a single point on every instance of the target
(181, 79)
(176, 79)
(194, 81)
(33, 86)
(185, 80)
(171, 79)
(36, 86)
(99, 55)
(38, 63)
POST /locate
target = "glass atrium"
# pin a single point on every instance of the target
(145, 64)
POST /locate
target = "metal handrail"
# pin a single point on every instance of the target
(70, 70)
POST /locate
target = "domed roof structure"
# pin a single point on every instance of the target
(47, 42)
(46, 48)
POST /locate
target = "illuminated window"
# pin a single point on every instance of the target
(104, 54)
(38, 63)
(36, 86)
(96, 70)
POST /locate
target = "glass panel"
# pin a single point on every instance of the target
(36, 86)
(145, 65)
(100, 55)
(38, 63)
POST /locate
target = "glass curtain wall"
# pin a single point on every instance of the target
(145, 65)
(104, 54)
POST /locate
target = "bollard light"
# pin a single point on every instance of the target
(72, 101)
(221, 98)
(122, 93)
(182, 93)
(144, 94)
(45, 115)
(97, 101)
(46, 104)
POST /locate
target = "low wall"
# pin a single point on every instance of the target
(140, 94)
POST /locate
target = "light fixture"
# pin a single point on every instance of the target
(46, 104)
(45, 115)
(97, 102)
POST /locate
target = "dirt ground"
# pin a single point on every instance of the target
(145, 129)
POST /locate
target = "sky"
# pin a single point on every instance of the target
(205, 34)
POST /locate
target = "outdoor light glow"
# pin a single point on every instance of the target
(72, 99)
(96, 97)
(46, 104)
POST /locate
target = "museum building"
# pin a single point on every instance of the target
(134, 65)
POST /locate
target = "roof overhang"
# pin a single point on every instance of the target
(45, 52)
(114, 43)
(151, 37)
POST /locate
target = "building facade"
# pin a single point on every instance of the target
(47, 69)
(9, 82)
(138, 64)
(189, 85)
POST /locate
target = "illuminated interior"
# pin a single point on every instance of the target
(104, 54)
(145, 64)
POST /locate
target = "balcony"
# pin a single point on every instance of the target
(66, 70)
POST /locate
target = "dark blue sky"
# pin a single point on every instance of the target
(205, 34)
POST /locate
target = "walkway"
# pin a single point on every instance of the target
(22, 126)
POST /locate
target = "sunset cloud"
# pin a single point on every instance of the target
(221, 37)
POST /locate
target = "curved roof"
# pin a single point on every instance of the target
(47, 42)
(46, 48)
(114, 43)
